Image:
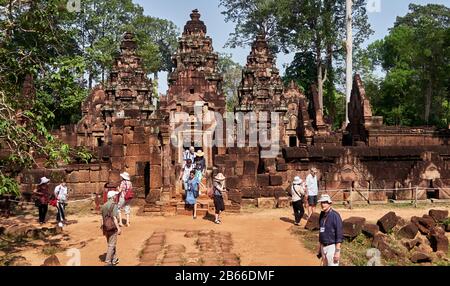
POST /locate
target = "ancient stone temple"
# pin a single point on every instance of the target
(366, 161)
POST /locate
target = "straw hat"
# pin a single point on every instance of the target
(219, 177)
(125, 176)
(44, 180)
(199, 153)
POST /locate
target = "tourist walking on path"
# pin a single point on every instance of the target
(186, 172)
(42, 194)
(111, 228)
(192, 192)
(298, 196)
(61, 194)
(218, 190)
(200, 168)
(331, 233)
(312, 191)
(189, 154)
(125, 196)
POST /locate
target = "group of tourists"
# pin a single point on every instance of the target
(58, 199)
(305, 195)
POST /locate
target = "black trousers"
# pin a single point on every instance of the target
(43, 208)
(299, 210)
(61, 216)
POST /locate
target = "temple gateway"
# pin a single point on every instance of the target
(127, 129)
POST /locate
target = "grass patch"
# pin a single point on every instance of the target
(51, 250)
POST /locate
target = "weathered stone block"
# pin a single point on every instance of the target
(155, 177)
(267, 203)
(409, 231)
(370, 229)
(248, 181)
(250, 168)
(439, 242)
(387, 222)
(282, 167)
(276, 180)
(94, 176)
(133, 150)
(235, 196)
(249, 203)
(420, 257)
(439, 215)
(283, 202)
(313, 222)
(232, 182)
(263, 180)
(352, 227)
(117, 139)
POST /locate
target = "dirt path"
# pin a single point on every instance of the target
(259, 239)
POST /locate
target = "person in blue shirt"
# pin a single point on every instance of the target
(192, 192)
(331, 233)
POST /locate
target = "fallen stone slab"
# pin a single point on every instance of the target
(370, 229)
(423, 230)
(352, 226)
(427, 221)
(411, 243)
(420, 257)
(439, 242)
(408, 231)
(313, 222)
(438, 215)
(52, 261)
(387, 222)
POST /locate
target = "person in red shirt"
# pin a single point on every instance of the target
(42, 195)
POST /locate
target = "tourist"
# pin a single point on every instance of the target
(61, 194)
(42, 199)
(185, 173)
(192, 192)
(312, 191)
(189, 154)
(331, 233)
(125, 190)
(200, 167)
(110, 227)
(218, 189)
(298, 196)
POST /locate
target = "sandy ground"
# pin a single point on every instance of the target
(260, 237)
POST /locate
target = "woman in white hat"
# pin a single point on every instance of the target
(297, 194)
(42, 194)
(218, 189)
(126, 194)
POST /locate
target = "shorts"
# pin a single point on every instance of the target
(312, 200)
(124, 206)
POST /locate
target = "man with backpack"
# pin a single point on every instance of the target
(111, 228)
(297, 194)
(126, 195)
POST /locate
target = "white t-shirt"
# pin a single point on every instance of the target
(187, 172)
(311, 185)
(61, 193)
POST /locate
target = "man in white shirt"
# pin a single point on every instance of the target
(61, 194)
(312, 191)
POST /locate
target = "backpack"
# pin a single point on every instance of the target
(108, 222)
(129, 194)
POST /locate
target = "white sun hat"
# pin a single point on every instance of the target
(44, 180)
(125, 176)
(297, 181)
(325, 199)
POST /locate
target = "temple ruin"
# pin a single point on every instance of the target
(126, 131)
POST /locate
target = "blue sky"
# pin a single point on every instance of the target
(383, 18)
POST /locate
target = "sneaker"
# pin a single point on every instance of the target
(194, 217)
(217, 222)
(115, 262)
(61, 224)
(296, 223)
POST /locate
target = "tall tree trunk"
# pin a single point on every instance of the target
(428, 96)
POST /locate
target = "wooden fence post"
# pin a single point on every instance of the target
(415, 197)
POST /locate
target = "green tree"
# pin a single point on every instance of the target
(416, 59)
(232, 76)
